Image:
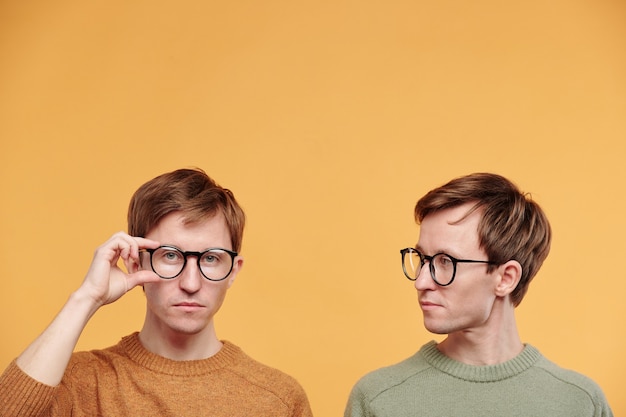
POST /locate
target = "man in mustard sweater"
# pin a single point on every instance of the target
(184, 235)
(481, 242)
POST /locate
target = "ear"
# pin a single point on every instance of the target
(510, 274)
(237, 265)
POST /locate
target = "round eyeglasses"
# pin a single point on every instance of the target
(168, 262)
(442, 266)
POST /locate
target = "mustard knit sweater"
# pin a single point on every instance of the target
(128, 380)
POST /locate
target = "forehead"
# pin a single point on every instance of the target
(199, 234)
(453, 230)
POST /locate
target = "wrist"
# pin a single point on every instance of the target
(82, 304)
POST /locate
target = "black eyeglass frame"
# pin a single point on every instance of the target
(431, 267)
(198, 256)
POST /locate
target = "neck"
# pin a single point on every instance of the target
(496, 342)
(180, 346)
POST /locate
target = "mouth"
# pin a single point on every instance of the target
(428, 305)
(188, 306)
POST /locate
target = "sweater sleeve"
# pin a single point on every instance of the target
(603, 409)
(23, 396)
(357, 404)
(301, 406)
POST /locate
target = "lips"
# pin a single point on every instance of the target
(188, 306)
(428, 305)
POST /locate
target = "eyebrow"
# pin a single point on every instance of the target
(446, 252)
(196, 251)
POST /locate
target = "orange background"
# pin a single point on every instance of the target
(328, 119)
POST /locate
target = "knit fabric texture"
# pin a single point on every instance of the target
(128, 380)
(431, 384)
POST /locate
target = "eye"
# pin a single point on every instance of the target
(209, 258)
(212, 257)
(168, 255)
(443, 261)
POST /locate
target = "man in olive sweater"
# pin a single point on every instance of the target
(182, 246)
(481, 242)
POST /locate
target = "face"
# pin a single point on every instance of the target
(188, 303)
(468, 302)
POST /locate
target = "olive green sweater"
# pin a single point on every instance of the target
(128, 380)
(431, 384)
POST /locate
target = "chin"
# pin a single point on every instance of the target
(187, 328)
(437, 329)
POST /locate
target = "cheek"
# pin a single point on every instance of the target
(481, 304)
(229, 282)
(477, 299)
(214, 296)
(218, 290)
(155, 291)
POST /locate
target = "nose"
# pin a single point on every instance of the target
(424, 281)
(190, 279)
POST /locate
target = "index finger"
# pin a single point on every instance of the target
(142, 243)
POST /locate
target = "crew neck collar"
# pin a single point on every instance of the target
(133, 348)
(487, 373)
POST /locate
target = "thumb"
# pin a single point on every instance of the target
(140, 277)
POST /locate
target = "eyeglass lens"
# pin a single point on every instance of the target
(441, 266)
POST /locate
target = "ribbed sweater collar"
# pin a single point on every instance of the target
(134, 350)
(488, 373)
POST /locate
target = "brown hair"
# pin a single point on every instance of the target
(190, 191)
(512, 226)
